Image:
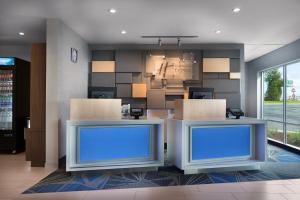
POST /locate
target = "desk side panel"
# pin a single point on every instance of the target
(175, 142)
(261, 142)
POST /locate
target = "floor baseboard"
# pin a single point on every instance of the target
(284, 146)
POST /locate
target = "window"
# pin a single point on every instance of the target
(281, 103)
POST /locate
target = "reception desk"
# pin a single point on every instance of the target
(111, 144)
(198, 138)
(199, 145)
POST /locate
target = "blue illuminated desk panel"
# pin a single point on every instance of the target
(111, 144)
(114, 143)
(220, 142)
(198, 145)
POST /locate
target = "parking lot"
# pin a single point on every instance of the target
(275, 112)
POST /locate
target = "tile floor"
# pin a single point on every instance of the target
(16, 175)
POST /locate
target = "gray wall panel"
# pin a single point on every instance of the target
(128, 61)
(123, 90)
(221, 54)
(137, 78)
(210, 76)
(223, 76)
(234, 65)
(222, 85)
(198, 58)
(103, 55)
(103, 80)
(233, 100)
(123, 78)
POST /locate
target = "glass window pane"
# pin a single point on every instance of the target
(275, 131)
(293, 93)
(273, 97)
(293, 135)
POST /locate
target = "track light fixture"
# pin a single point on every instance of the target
(178, 42)
(170, 36)
(159, 42)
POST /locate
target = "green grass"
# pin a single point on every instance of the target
(281, 102)
(293, 137)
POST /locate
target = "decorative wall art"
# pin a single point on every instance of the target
(178, 68)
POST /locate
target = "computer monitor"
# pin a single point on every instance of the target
(201, 93)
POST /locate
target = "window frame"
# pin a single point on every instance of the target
(284, 100)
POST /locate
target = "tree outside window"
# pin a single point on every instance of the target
(274, 85)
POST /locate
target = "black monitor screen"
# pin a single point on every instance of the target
(201, 93)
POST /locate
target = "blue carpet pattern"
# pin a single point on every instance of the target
(281, 165)
(277, 154)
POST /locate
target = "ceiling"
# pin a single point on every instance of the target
(262, 25)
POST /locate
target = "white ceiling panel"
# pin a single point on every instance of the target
(267, 24)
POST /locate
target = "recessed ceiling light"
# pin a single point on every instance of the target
(236, 10)
(217, 31)
(112, 11)
(21, 33)
(123, 32)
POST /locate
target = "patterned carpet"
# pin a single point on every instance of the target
(281, 165)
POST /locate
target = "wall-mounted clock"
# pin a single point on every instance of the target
(74, 55)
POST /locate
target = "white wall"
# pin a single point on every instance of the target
(18, 51)
(64, 80)
(243, 79)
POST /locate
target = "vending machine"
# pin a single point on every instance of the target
(14, 103)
